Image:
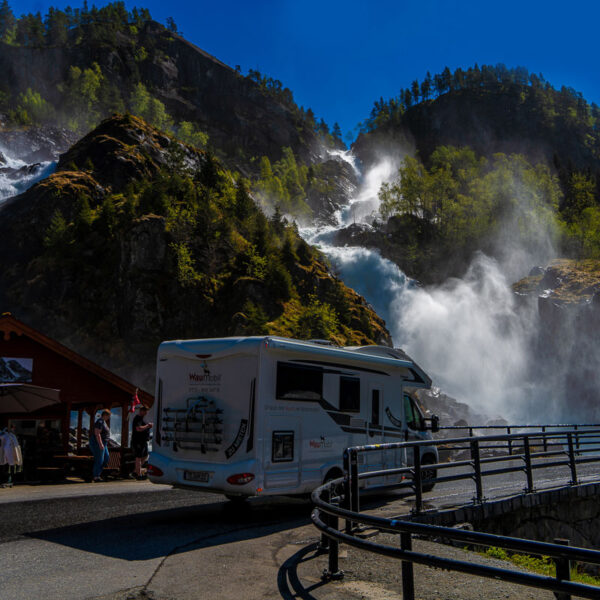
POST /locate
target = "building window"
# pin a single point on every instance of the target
(283, 446)
(349, 394)
(299, 382)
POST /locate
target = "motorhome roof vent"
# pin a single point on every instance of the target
(324, 343)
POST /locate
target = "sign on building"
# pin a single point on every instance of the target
(16, 370)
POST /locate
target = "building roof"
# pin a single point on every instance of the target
(9, 324)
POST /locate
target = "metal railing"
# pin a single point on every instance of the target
(474, 430)
(489, 455)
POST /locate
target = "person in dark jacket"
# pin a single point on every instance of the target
(140, 434)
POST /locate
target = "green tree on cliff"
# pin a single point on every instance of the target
(7, 22)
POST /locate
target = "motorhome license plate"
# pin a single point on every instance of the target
(200, 476)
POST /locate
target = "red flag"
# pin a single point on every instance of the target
(134, 402)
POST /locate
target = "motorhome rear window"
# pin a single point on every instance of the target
(350, 394)
(299, 382)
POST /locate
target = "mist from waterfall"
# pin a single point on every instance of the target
(468, 333)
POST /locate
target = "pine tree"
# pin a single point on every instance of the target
(7, 21)
(336, 132)
(171, 26)
(426, 86)
(56, 27)
(416, 90)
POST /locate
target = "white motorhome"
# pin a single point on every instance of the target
(251, 416)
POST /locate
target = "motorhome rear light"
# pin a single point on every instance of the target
(154, 471)
(240, 478)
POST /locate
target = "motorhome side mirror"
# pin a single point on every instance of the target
(435, 423)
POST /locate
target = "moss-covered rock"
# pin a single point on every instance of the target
(563, 281)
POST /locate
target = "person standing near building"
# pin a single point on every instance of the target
(98, 443)
(140, 434)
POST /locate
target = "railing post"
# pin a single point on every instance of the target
(417, 479)
(528, 470)
(408, 579)
(326, 497)
(354, 497)
(544, 438)
(563, 570)
(333, 568)
(347, 489)
(572, 463)
(576, 438)
(509, 442)
(475, 458)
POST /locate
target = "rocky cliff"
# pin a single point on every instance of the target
(243, 120)
(138, 238)
(509, 119)
(566, 294)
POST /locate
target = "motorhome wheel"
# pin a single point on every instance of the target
(428, 473)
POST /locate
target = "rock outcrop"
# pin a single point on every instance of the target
(567, 294)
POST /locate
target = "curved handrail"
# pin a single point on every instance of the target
(329, 509)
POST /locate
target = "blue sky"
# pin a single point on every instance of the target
(338, 57)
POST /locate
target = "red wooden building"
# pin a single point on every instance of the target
(85, 387)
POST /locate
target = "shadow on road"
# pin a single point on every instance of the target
(153, 534)
(288, 575)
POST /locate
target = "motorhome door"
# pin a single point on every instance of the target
(376, 460)
(414, 420)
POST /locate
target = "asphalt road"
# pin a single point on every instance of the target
(92, 546)
(131, 539)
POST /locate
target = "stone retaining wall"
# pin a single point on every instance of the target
(572, 513)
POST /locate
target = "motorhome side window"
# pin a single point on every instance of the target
(414, 418)
(298, 382)
(349, 394)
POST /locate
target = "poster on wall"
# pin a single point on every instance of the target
(16, 370)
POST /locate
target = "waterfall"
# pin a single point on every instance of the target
(379, 280)
(468, 334)
(16, 176)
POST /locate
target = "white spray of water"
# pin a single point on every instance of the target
(468, 333)
(471, 336)
(16, 176)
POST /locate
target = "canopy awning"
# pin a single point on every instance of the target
(17, 398)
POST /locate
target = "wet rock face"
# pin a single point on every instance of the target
(338, 182)
(449, 410)
(21, 172)
(566, 347)
(36, 144)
